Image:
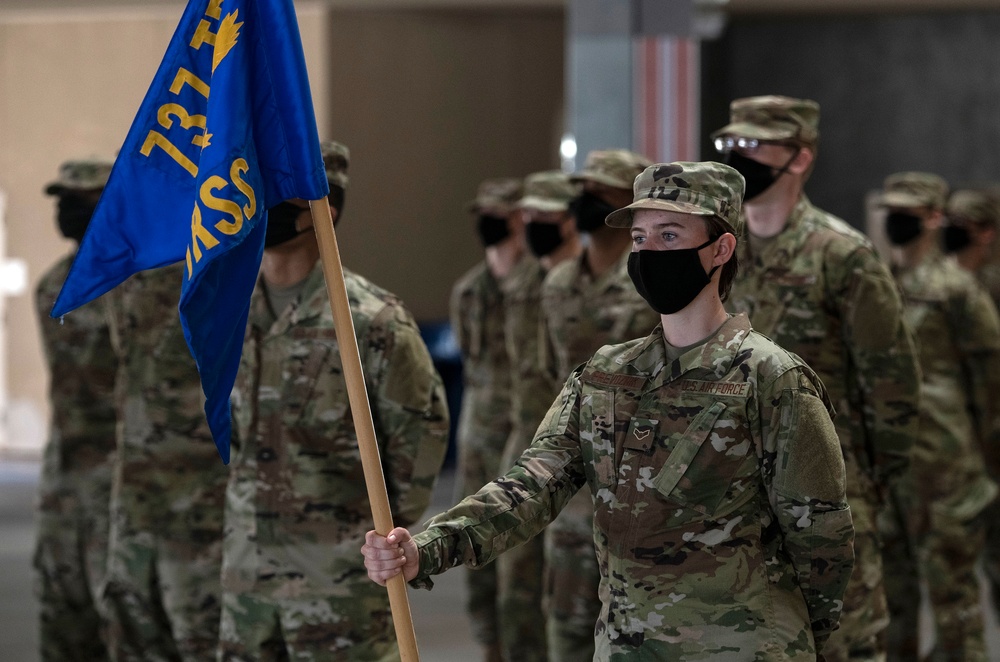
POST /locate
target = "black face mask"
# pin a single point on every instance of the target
(281, 224)
(669, 280)
(74, 216)
(492, 229)
(902, 228)
(589, 212)
(955, 238)
(759, 177)
(543, 238)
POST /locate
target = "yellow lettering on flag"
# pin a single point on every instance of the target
(200, 233)
(239, 168)
(227, 207)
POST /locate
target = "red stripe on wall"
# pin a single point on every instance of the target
(651, 106)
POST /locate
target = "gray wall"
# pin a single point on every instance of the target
(918, 92)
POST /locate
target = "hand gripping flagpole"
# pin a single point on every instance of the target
(357, 395)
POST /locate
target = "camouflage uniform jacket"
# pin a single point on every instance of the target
(533, 384)
(582, 314)
(296, 506)
(477, 318)
(819, 290)
(82, 367)
(169, 478)
(957, 331)
(721, 525)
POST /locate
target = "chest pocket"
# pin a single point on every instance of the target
(313, 391)
(700, 468)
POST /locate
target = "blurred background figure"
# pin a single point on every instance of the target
(75, 484)
(587, 302)
(552, 237)
(477, 320)
(957, 333)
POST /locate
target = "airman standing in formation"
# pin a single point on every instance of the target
(75, 484)
(296, 505)
(477, 319)
(816, 286)
(165, 553)
(552, 238)
(973, 223)
(957, 333)
(720, 514)
(587, 302)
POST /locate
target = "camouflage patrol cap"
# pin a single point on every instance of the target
(773, 118)
(914, 189)
(703, 189)
(89, 174)
(336, 159)
(972, 206)
(550, 190)
(501, 193)
(615, 167)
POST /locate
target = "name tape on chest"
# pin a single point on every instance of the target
(728, 389)
(630, 382)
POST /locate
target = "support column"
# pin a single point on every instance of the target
(633, 76)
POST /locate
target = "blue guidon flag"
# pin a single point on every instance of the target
(225, 131)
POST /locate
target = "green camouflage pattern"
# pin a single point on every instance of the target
(477, 320)
(582, 314)
(721, 523)
(297, 507)
(90, 174)
(914, 190)
(703, 189)
(163, 593)
(972, 206)
(819, 290)
(773, 117)
(336, 160)
(550, 190)
(957, 332)
(533, 385)
(500, 194)
(74, 489)
(617, 168)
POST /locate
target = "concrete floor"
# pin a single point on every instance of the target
(442, 628)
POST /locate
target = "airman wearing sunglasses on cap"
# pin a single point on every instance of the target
(816, 286)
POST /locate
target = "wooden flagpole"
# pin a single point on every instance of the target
(350, 357)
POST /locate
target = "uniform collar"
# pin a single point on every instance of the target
(309, 305)
(713, 359)
(786, 244)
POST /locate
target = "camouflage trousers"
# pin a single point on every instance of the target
(948, 553)
(901, 565)
(572, 579)
(520, 577)
(861, 636)
(991, 551)
(479, 463)
(519, 602)
(346, 628)
(162, 595)
(69, 559)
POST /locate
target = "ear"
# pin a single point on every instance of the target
(802, 161)
(725, 247)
